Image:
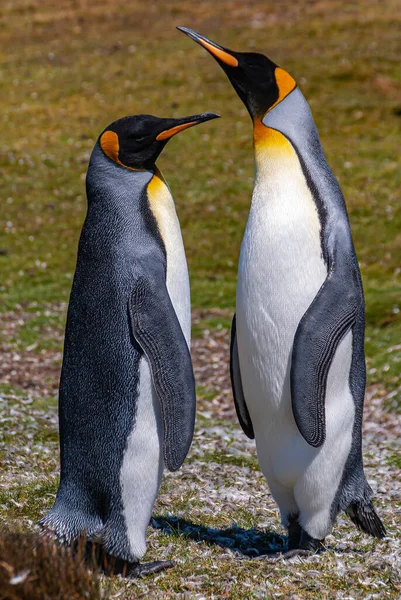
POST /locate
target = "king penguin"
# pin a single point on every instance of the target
(297, 348)
(127, 392)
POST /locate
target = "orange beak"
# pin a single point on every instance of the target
(219, 53)
(185, 123)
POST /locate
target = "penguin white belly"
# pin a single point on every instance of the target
(281, 270)
(143, 463)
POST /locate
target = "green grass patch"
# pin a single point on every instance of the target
(203, 393)
(383, 359)
(38, 333)
(394, 460)
(28, 501)
(10, 390)
(214, 322)
(225, 458)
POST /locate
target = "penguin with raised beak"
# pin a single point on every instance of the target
(297, 350)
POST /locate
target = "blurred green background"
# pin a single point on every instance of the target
(69, 68)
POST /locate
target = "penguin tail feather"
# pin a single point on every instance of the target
(69, 525)
(364, 516)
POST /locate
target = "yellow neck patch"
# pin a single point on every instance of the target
(270, 140)
(162, 206)
(156, 185)
(110, 145)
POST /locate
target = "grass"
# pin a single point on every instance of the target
(222, 458)
(28, 500)
(66, 71)
(213, 517)
(395, 460)
(78, 70)
(34, 568)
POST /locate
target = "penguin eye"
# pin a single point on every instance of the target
(255, 66)
(136, 138)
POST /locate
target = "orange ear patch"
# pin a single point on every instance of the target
(110, 145)
(285, 82)
(225, 57)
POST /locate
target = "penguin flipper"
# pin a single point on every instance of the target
(238, 393)
(157, 330)
(330, 316)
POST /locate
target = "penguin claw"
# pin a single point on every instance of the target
(310, 548)
(297, 552)
(139, 570)
(112, 566)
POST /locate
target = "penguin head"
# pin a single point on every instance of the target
(136, 142)
(258, 81)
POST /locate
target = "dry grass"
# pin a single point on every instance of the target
(34, 568)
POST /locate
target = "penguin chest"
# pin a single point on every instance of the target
(280, 272)
(177, 278)
(177, 281)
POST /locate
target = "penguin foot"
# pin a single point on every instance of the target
(294, 533)
(110, 565)
(307, 546)
(300, 543)
(310, 544)
(137, 570)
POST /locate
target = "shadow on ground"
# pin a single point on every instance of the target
(248, 542)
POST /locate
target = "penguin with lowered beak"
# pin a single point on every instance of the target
(127, 392)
